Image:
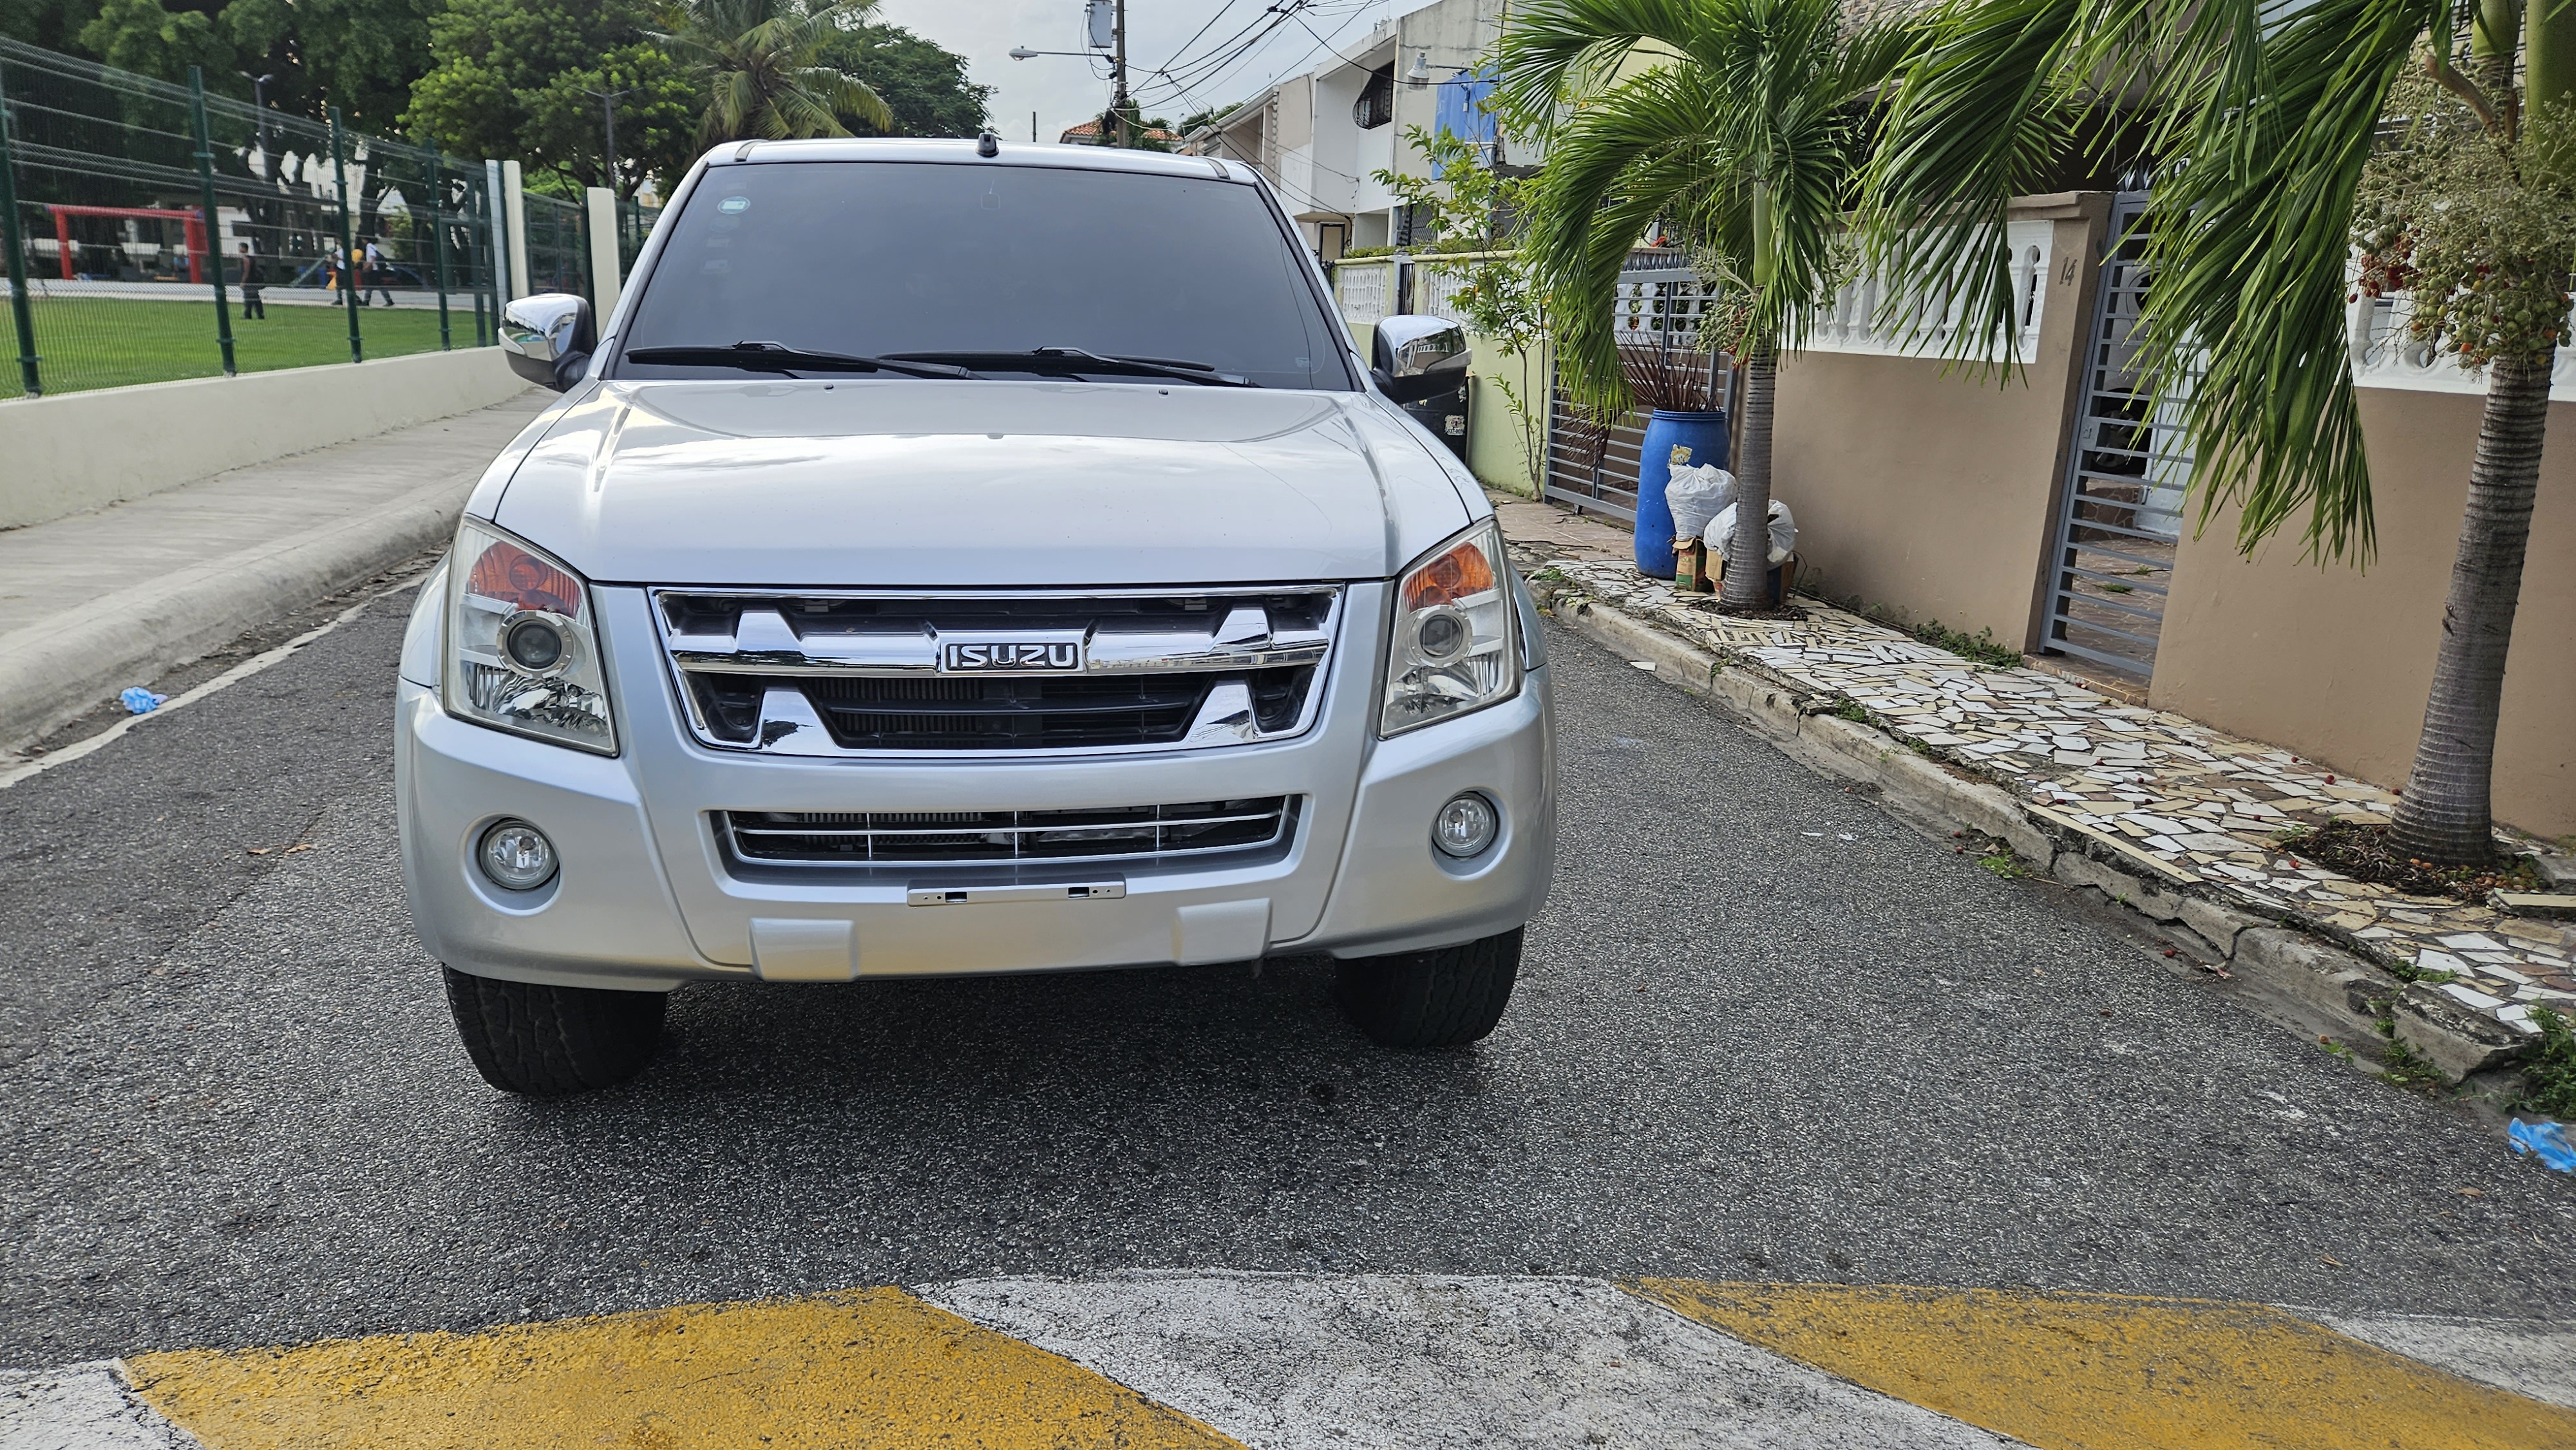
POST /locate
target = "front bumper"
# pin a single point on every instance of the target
(646, 896)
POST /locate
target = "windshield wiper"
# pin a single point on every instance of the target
(1075, 360)
(776, 357)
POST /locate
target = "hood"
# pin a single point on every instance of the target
(996, 484)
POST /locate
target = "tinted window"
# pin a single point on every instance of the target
(901, 257)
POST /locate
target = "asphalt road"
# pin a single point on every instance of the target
(232, 1110)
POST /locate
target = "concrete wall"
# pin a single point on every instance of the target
(77, 451)
(1494, 448)
(2334, 662)
(1456, 35)
(1935, 494)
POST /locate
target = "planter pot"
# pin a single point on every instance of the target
(1690, 438)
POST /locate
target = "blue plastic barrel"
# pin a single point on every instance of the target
(1689, 438)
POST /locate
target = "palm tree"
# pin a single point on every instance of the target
(1742, 130)
(2280, 147)
(761, 60)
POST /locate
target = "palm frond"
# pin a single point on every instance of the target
(1743, 135)
(2247, 249)
(1982, 107)
(1556, 50)
(1645, 150)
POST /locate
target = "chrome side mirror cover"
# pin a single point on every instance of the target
(548, 338)
(1412, 357)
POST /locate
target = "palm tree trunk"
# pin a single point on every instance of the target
(2445, 815)
(1748, 558)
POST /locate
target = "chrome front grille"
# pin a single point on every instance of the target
(1126, 834)
(866, 673)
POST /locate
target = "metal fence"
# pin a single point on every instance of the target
(558, 246)
(1592, 463)
(635, 223)
(154, 232)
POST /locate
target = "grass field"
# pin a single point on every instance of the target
(110, 342)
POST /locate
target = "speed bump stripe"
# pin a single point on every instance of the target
(2107, 1372)
(870, 1366)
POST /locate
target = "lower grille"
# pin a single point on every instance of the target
(1129, 834)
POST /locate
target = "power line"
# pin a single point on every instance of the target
(1185, 76)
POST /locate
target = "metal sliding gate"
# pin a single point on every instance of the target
(1592, 463)
(2121, 514)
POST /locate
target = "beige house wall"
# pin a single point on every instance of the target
(2334, 662)
(1932, 491)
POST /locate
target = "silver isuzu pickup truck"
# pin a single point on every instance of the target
(951, 557)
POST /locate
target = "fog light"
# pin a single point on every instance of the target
(1465, 826)
(517, 856)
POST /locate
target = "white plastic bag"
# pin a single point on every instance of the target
(1696, 492)
(1784, 532)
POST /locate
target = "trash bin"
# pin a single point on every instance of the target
(1671, 438)
(1445, 414)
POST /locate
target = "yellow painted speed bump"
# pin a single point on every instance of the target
(2106, 1372)
(868, 1367)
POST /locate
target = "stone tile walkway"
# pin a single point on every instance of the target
(2190, 803)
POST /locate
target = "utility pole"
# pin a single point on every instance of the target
(1118, 37)
(608, 109)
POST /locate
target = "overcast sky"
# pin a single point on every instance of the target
(1215, 68)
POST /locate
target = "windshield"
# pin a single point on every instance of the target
(889, 258)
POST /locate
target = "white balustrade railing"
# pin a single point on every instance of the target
(2385, 356)
(1364, 291)
(1853, 321)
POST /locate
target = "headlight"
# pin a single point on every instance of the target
(522, 643)
(1453, 646)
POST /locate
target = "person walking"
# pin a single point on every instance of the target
(252, 306)
(374, 273)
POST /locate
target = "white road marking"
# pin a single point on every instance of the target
(25, 769)
(2531, 1358)
(1411, 1361)
(80, 1407)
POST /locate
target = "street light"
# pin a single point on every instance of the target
(259, 103)
(1117, 17)
(608, 104)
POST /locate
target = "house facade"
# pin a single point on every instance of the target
(1323, 136)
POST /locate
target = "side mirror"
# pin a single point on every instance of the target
(548, 338)
(1413, 358)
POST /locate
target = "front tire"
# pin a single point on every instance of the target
(550, 1042)
(1445, 997)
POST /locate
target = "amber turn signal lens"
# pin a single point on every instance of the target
(1460, 574)
(513, 575)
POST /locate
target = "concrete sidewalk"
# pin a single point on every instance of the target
(2163, 815)
(98, 601)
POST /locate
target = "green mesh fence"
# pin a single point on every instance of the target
(156, 234)
(635, 223)
(558, 245)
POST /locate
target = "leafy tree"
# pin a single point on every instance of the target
(1208, 117)
(514, 77)
(1744, 132)
(762, 62)
(139, 35)
(924, 86)
(361, 55)
(53, 24)
(1470, 207)
(2287, 137)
